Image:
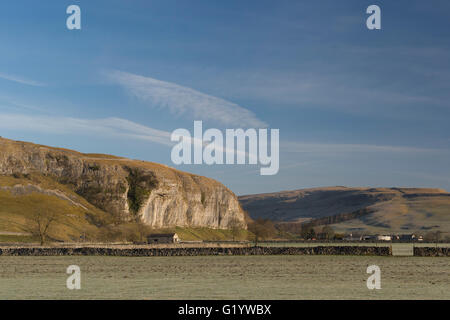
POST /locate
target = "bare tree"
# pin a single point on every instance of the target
(235, 227)
(307, 231)
(262, 229)
(433, 236)
(135, 232)
(143, 231)
(327, 232)
(40, 223)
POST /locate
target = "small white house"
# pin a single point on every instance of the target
(384, 238)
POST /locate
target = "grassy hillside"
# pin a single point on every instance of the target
(421, 214)
(389, 210)
(19, 207)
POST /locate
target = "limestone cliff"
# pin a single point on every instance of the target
(129, 190)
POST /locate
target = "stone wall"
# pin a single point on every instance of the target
(140, 252)
(431, 252)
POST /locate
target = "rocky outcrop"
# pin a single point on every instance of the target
(130, 190)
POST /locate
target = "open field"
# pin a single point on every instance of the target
(225, 277)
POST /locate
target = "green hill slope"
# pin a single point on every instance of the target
(371, 210)
(22, 198)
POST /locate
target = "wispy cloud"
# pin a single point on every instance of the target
(426, 176)
(107, 127)
(21, 80)
(329, 148)
(182, 100)
(9, 102)
(115, 127)
(335, 90)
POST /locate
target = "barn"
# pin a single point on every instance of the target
(163, 238)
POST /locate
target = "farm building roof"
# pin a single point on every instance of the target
(161, 235)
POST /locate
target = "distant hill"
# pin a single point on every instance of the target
(90, 192)
(375, 210)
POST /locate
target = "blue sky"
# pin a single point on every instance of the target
(354, 107)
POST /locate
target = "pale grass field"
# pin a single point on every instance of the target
(225, 277)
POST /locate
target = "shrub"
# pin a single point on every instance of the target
(141, 183)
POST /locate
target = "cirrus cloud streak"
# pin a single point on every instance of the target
(183, 100)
